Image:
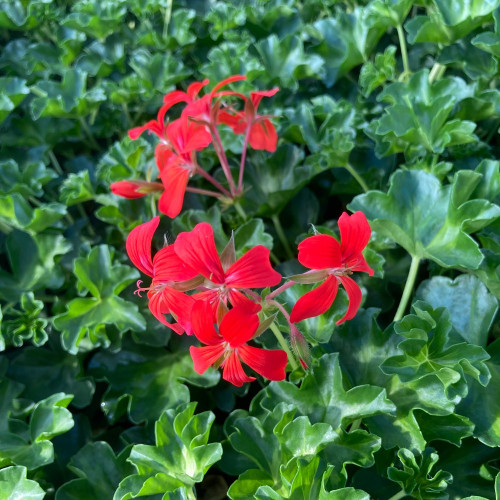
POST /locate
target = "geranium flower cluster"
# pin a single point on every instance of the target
(213, 296)
(195, 130)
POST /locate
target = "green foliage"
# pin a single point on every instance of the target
(16, 485)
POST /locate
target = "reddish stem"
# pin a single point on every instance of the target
(282, 309)
(279, 290)
(219, 149)
(206, 192)
(243, 158)
(210, 179)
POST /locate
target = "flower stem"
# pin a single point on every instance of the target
(219, 149)
(404, 52)
(436, 72)
(410, 282)
(355, 425)
(243, 158)
(210, 179)
(279, 290)
(55, 163)
(88, 132)
(358, 177)
(398, 495)
(284, 345)
(206, 192)
(166, 21)
(240, 211)
(281, 235)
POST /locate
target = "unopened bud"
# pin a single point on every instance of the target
(300, 346)
(135, 189)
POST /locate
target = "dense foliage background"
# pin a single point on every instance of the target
(391, 107)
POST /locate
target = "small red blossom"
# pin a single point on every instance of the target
(228, 347)
(327, 258)
(261, 132)
(135, 189)
(224, 282)
(170, 276)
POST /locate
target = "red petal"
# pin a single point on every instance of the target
(127, 189)
(188, 136)
(239, 326)
(227, 81)
(316, 301)
(175, 97)
(158, 309)
(354, 236)
(355, 296)
(152, 126)
(253, 270)
(194, 89)
(233, 371)
(197, 249)
(139, 245)
(204, 357)
(239, 299)
(257, 96)
(236, 121)
(168, 267)
(202, 323)
(175, 180)
(263, 136)
(269, 364)
(320, 252)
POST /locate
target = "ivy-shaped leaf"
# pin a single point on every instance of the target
(14, 484)
(416, 121)
(104, 280)
(428, 220)
(180, 458)
(429, 349)
(376, 73)
(417, 477)
(26, 180)
(490, 41)
(12, 92)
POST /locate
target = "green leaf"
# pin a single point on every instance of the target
(12, 92)
(44, 372)
(472, 309)
(103, 279)
(482, 404)
(51, 418)
(181, 456)
(250, 234)
(27, 180)
(285, 61)
(394, 11)
(413, 212)
(490, 41)
(146, 380)
(224, 17)
(451, 428)
(99, 472)
(13, 484)
(416, 478)
(374, 74)
(428, 349)
(418, 120)
(77, 188)
(323, 399)
(26, 323)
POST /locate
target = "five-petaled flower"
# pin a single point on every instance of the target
(228, 347)
(171, 277)
(224, 281)
(327, 258)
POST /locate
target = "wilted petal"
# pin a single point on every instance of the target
(204, 357)
(139, 245)
(239, 325)
(321, 251)
(253, 270)
(316, 301)
(269, 364)
(233, 371)
(355, 296)
(197, 249)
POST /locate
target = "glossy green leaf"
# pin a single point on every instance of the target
(14, 484)
(12, 92)
(97, 275)
(472, 309)
(181, 456)
(146, 380)
(417, 477)
(99, 472)
(323, 399)
(376, 73)
(428, 349)
(77, 188)
(445, 216)
(489, 41)
(26, 180)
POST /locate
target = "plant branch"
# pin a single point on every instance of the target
(281, 235)
(358, 177)
(410, 282)
(284, 345)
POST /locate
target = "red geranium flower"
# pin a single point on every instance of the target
(261, 132)
(228, 347)
(336, 262)
(223, 281)
(135, 189)
(170, 276)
